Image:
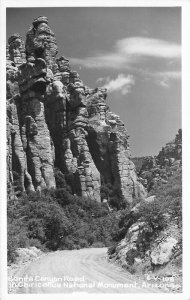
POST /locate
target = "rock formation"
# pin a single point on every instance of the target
(157, 169)
(54, 120)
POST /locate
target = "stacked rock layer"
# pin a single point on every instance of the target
(54, 120)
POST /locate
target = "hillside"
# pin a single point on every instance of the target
(150, 236)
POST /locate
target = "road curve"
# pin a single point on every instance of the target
(85, 270)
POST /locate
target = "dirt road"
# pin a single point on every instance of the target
(85, 270)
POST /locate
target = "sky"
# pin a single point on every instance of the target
(134, 52)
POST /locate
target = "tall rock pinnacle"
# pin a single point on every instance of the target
(41, 42)
(54, 120)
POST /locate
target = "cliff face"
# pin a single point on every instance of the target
(53, 119)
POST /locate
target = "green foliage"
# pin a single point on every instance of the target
(113, 196)
(98, 245)
(106, 190)
(170, 195)
(55, 219)
(112, 249)
(153, 214)
(17, 237)
(61, 180)
(157, 214)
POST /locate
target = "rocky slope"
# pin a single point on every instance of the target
(54, 120)
(150, 236)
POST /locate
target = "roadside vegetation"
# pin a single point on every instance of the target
(163, 218)
(56, 219)
(166, 207)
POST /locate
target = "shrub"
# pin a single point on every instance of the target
(98, 245)
(59, 179)
(91, 238)
(36, 243)
(17, 237)
(112, 249)
(83, 243)
(153, 214)
(63, 197)
(55, 219)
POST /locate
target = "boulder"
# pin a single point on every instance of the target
(162, 254)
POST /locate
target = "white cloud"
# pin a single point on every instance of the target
(129, 51)
(170, 74)
(164, 78)
(114, 61)
(148, 47)
(122, 83)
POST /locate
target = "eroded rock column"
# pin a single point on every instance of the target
(17, 174)
(88, 174)
(34, 131)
